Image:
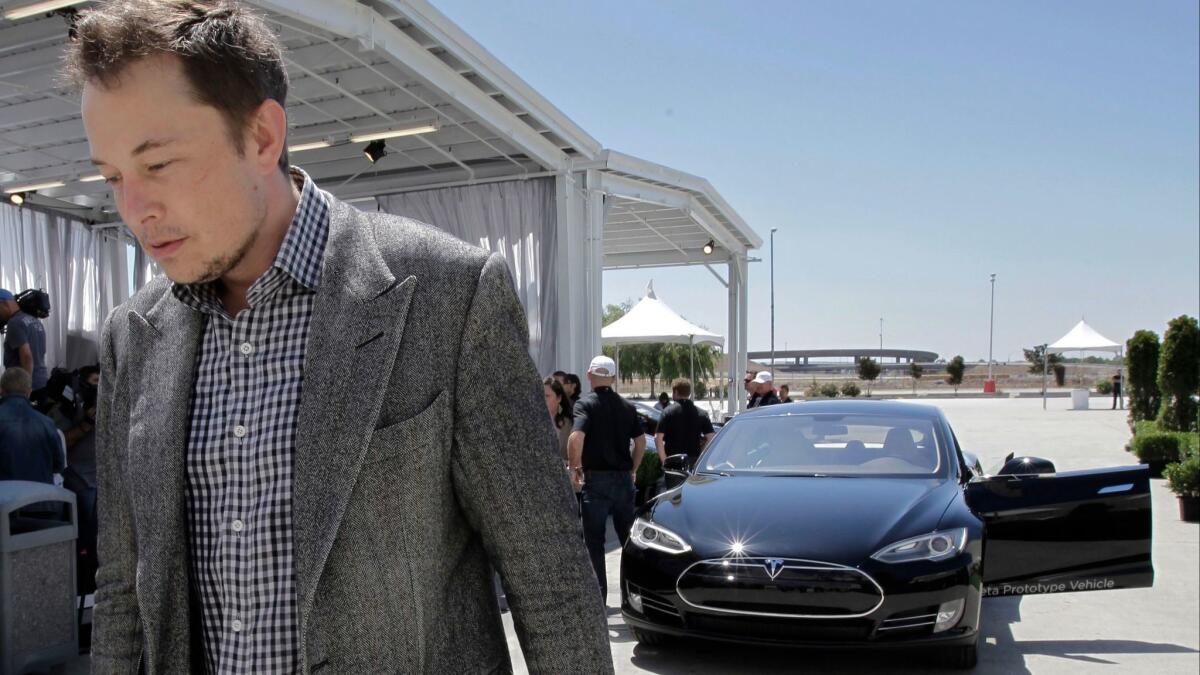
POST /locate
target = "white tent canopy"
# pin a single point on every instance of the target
(1084, 338)
(652, 320)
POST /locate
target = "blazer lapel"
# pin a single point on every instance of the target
(358, 320)
(162, 355)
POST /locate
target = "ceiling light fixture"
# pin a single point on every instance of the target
(37, 8)
(375, 151)
(92, 178)
(315, 145)
(394, 133)
(17, 198)
(31, 188)
(709, 247)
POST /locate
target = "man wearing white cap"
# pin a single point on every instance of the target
(764, 388)
(601, 461)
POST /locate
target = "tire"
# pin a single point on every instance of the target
(649, 638)
(963, 657)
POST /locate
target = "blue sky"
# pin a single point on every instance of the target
(905, 150)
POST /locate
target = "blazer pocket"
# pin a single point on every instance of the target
(418, 436)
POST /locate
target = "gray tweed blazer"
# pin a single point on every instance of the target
(423, 453)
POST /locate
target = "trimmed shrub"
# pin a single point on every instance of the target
(813, 390)
(954, 372)
(1157, 447)
(850, 389)
(649, 470)
(829, 390)
(1179, 374)
(1142, 351)
(1104, 386)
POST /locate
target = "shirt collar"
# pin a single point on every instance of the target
(300, 256)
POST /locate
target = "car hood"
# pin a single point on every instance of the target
(840, 520)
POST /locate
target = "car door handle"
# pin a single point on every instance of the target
(1113, 489)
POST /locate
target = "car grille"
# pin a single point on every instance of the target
(807, 630)
(779, 588)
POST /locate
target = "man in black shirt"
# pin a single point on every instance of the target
(600, 461)
(764, 390)
(683, 429)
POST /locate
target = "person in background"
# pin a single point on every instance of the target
(24, 342)
(557, 404)
(573, 387)
(1116, 387)
(601, 463)
(751, 389)
(80, 474)
(663, 401)
(30, 446)
(764, 389)
(785, 394)
(683, 429)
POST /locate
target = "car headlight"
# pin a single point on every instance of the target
(932, 546)
(648, 535)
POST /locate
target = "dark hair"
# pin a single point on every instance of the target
(681, 387)
(559, 373)
(564, 408)
(87, 371)
(231, 58)
(572, 378)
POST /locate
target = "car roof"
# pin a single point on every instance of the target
(847, 407)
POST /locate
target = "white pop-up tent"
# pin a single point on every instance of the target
(651, 320)
(1081, 338)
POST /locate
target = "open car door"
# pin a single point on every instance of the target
(1071, 531)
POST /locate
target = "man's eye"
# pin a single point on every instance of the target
(112, 180)
(158, 167)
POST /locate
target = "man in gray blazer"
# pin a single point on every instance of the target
(322, 430)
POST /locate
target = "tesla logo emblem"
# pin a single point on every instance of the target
(774, 567)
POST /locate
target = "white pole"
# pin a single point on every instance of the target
(991, 326)
(692, 354)
(773, 302)
(1045, 369)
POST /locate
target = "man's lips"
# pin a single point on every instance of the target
(166, 247)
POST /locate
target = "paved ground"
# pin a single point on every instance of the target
(1153, 630)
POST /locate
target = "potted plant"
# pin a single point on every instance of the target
(1184, 479)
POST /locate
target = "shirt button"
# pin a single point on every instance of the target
(247, 349)
(236, 625)
(239, 431)
(238, 526)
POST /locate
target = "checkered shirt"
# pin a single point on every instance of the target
(245, 405)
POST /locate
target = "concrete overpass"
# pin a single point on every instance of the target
(798, 359)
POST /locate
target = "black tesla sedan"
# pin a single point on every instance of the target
(850, 523)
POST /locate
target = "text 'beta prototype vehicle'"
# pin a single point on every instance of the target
(864, 523)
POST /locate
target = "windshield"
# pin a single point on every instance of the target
(825, 444)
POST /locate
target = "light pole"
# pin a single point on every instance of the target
(991, 326)
(773, 302)
(881, 339)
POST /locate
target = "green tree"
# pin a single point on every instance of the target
(915, 371)
(954, 372)
(1036, 359)
(1141, 353)
(1179, 374)
(868, 370)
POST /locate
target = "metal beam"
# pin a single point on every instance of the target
(353, 20)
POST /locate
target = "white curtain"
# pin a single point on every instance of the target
(84, 271)
(518, 220)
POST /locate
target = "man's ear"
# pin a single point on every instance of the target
(267, 134)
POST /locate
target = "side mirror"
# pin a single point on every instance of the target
(1025, 466)
(972, 466)
(675, 470)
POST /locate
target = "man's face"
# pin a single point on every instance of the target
(193, 203)
(7, 309)
(748, 384)
(764, 388)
